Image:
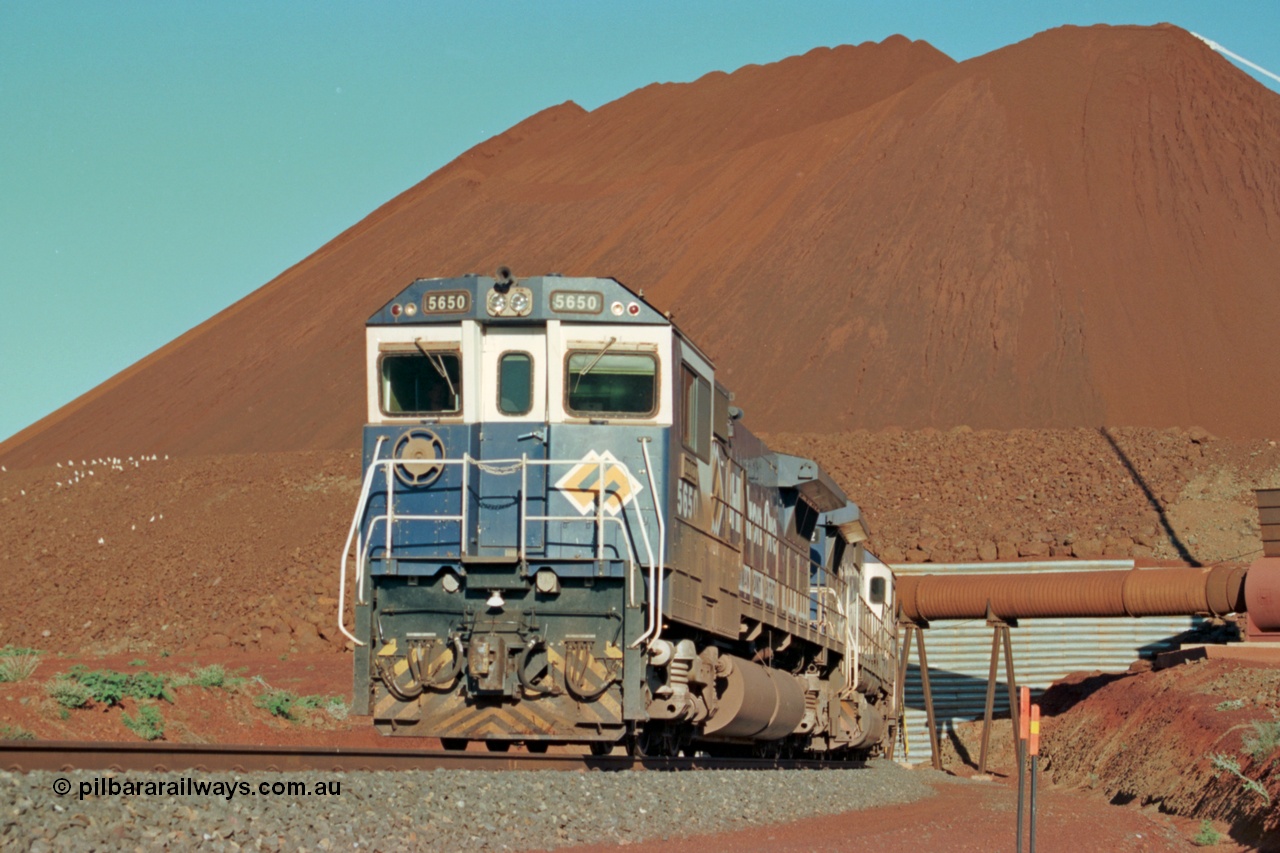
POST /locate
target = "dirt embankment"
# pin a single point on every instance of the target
(242, 551)
(156, 554)
(963, 495)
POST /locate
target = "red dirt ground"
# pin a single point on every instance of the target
(240, 565)
(964, 816)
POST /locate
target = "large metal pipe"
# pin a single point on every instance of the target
(1137, 592)
(1262, 596)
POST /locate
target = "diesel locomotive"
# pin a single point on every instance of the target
(565, 535)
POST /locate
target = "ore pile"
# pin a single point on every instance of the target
(1074, 230)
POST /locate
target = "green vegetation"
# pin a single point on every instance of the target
(1264, 740)
(1208, 836)
(137, 662)
(282, 703)
(1223, 762)
(1230, 705)
(68, 692)
(15, 733)
(148, 725)
(108, 687)
(210, 677)
(18, 666)
(17, 651)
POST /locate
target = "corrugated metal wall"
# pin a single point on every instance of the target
(1044, 650)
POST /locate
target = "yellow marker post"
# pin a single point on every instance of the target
(1034, 749)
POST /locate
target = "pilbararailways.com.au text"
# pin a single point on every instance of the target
(188, 787)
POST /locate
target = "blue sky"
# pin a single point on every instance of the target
(160, 160)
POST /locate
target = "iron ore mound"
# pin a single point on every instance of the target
(1074, 230)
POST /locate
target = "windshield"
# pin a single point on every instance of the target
(611, 383)
(421, 384)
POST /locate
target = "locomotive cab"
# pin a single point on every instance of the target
(564, 535)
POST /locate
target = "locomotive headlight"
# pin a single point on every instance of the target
(495, 601)
(520, 302)
(497, 302)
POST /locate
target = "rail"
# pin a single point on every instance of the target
(134, 756)
(503, 467)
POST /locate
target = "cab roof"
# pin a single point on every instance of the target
(550, 297)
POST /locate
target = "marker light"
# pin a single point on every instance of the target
(395, 310)
(616, 309)
(410, 309)
(633, 309)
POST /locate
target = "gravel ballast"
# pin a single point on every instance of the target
(427, 810)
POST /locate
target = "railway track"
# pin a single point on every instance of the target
(26, 756)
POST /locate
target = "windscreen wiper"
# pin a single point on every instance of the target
(583, 372)
(437, 361)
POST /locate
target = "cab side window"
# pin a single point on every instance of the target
(697, 414)
(877, 590)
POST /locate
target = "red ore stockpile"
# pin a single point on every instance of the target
(1075, 230)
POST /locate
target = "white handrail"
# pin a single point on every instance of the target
(389, 518)
(656, 572)
(354, 532)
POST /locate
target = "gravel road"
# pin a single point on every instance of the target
(429, 810)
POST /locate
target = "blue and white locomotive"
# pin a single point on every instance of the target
(565, 535)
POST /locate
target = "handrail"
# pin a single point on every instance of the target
(598, 518)
(354, 532)
(655, 583)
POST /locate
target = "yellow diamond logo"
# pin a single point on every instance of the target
(599, 475)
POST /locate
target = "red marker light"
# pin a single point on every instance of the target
(633, 309)
(395, 310)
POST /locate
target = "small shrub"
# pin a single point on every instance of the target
(15, 733)
(148, 725)
(336, 707)
(210, 677)
(1230, 705)
(68, 692)
(17, 651)
(137, 662)
(282, 703)
(1224, 762)
(1207, 836)
(279, 702)
(108, 687)
(1264, 740)
(19, 667)
(213, 675)
(147, 685)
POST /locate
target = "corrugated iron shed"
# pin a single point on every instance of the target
(1044, 650)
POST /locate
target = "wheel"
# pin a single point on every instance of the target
(598, 747)
(652, 742)
(454, 744)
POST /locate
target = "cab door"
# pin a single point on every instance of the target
(513, 414)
